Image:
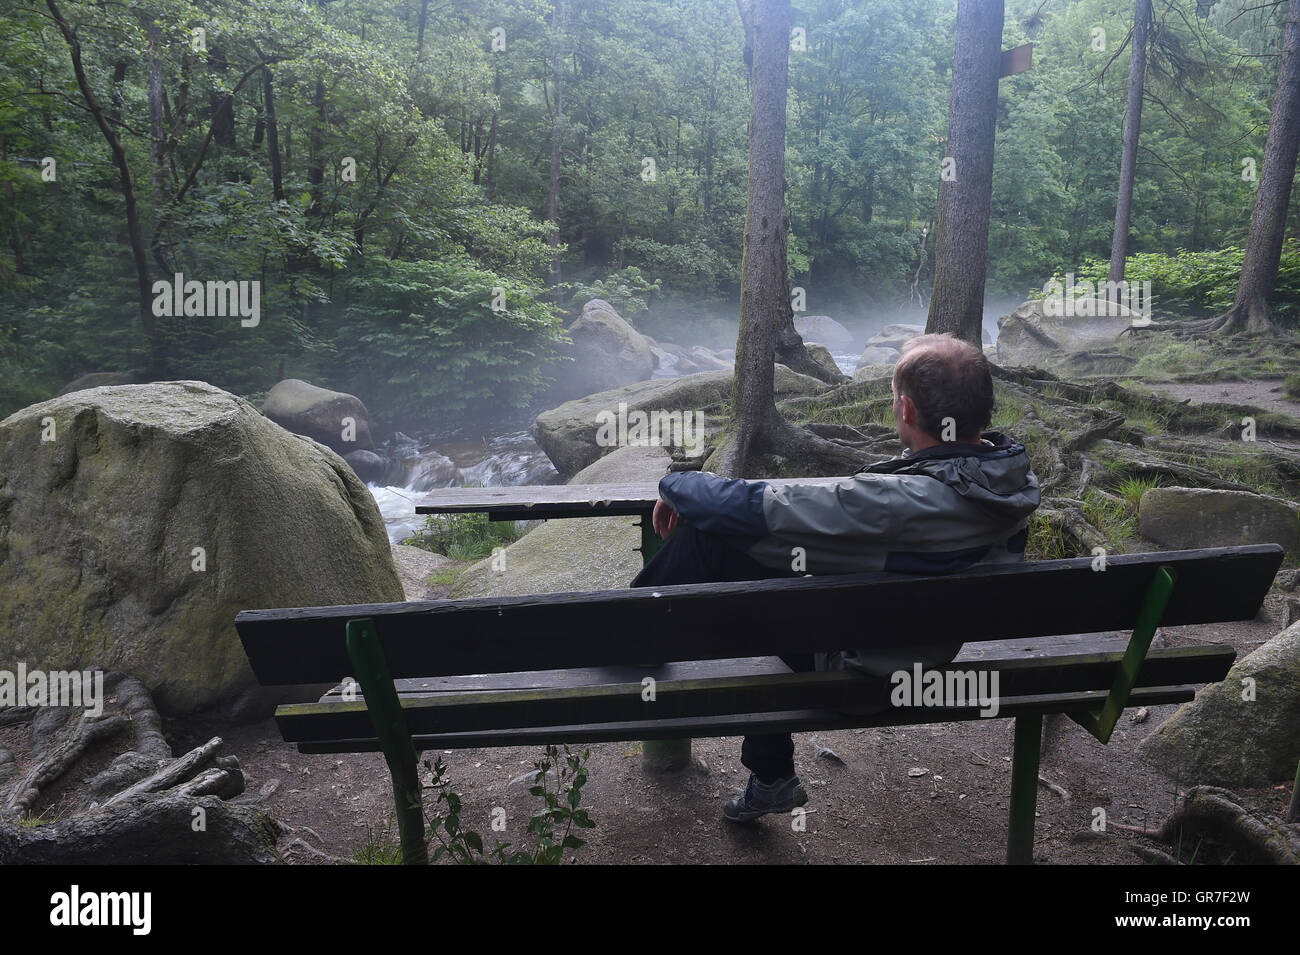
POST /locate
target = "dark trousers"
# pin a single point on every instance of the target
(690, 556)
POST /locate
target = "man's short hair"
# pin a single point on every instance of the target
(946, 378)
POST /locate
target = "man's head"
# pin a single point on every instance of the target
(939, 377)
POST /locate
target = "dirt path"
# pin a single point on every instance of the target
(870, 809)
(1263, 393)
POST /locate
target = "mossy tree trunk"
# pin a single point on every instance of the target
(766, 319)
(767, 24)
(966, 195)
(763, 264)
(1252, 311)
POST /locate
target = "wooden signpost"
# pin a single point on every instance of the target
(1017, 60)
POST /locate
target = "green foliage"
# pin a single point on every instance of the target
(559, 781)
(1191, 284)
(381, 847)
(464, 537)
(1291, 386)
(445, 577)
(627, 290)
(1116, 519)
(423, 339)
(1131, 490)
(410, 182)
(1047, 541)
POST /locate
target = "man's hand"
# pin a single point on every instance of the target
(664, 519)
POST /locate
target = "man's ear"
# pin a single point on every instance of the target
(909, 410)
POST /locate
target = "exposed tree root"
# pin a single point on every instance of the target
(57, 759)
(791, 352)
(1068, 521)
(1151, 855)
(146, 807)
(1217, 814)
(750, 449)
(177, 772)
(148, 829)
(1253, 317)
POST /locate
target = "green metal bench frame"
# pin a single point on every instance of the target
(385, 708)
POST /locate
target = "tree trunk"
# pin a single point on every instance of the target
(965, 200)
(1132, 130)
(316, 157)
(272, 135)
(1252, 311)
(557, 135)
(119, 77)
(492, 133)
(419, 35)
(765, 222)
(222, 106)
(763, 261)
(765, 311)
(15, 236)
(157, 147)
(144, 287)
(155, 113)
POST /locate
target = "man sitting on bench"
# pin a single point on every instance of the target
(955, 498)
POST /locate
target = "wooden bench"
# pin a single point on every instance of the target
(561, 667)
(571, 502)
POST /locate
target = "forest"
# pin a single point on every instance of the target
(427, 192)
(445, 347)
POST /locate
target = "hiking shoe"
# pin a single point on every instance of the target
(760, 798)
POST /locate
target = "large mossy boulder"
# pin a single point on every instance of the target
(895, 336)
(824, 329)
(334, 418)
(136, 521)
(590, 553)
(606, 352)
(1083, 342)
(874, 356)
(1244, 731)
(415, 568)
(569, 434)
(1182, 518)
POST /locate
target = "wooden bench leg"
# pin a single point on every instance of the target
(659, 755)
(1024, 789)
(376, 680)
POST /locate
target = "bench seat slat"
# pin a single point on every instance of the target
(428, 713)
(723, 620)
(579, 676)
(990, 651)
(746, 723)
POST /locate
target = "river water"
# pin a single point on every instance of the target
(507, 458)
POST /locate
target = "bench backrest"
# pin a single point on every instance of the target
(757, 618)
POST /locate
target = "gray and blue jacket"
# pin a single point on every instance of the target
(936, 511)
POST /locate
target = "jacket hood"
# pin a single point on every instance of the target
(994, 476)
